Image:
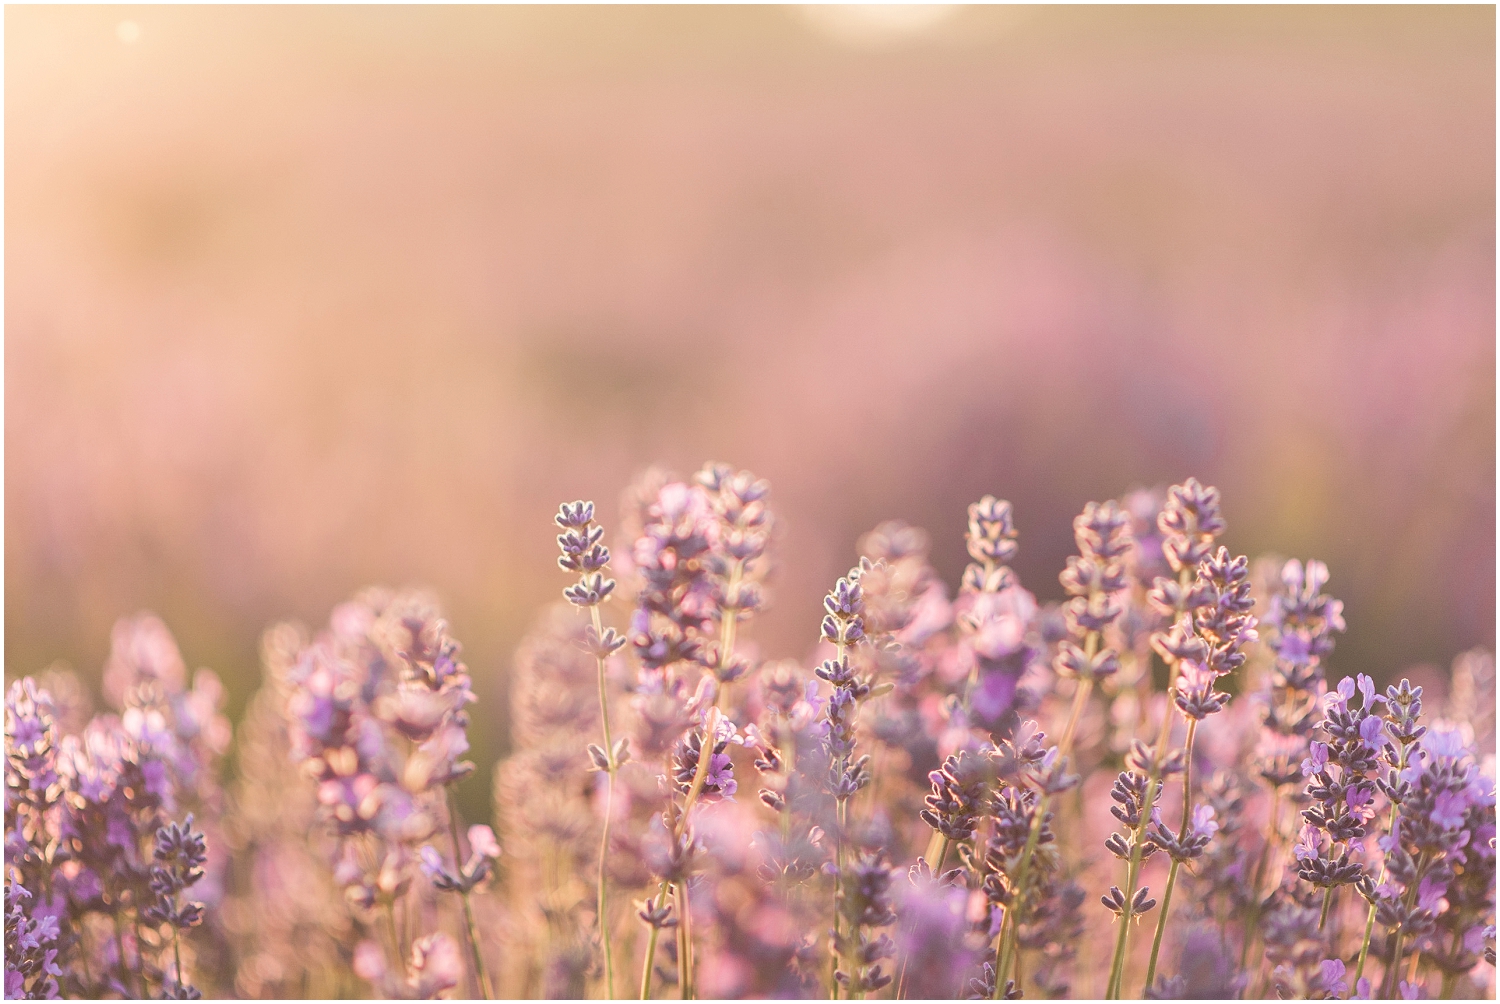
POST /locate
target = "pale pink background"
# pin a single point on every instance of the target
(300, 299)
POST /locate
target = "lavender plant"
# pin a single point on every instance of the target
(915, 831)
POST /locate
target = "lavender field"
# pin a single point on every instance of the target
(917, 811)
(1090, 592)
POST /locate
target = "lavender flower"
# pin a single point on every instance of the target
(864, 903)
(994, 615)
(31, 970)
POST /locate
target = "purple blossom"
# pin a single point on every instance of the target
(1317, 759)
(1443, 743)
(1333, 977)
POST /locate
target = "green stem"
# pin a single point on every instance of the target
(650, 962)
(609, 756)
(471, 930)
(842, 816)
(1187, 816)
(651, 940)
(1132, 877)
(1161, 925)
(1004, 955)
(1364, 947)
(1393, 973)
(177, 954)
(684, 942)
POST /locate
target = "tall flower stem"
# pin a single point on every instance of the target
(1327, 896)
(1392, 978)
(1187, 815)
(609, 804)
(471, 930)
(684, 941)
(1005, 948)
(1133, 869)
(838, 875)
(1153, 790)
(684, 915)
(177, 955)
(1364, 946)
(650, 965)
(650, 962)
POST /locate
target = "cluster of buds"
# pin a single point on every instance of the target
(742, 534)
(1339, 785)
(89, 828)
(960, 790)
(1189, 522)
(994, 615)
(1446, 812)
(177, 864)
(991, 542)
(864, 904)
(676, 603)
(1094, 580)
(1299, 625)
(1223, 626)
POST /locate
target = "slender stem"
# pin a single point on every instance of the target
(651, 939)
(609, 812)
(1080, 698)
(1005, 955)
(1392, 979)
(1132, 876)
(609, 801)
(1005, 950)
(1187, 815)
(1133, 870)
(1161, 925)
(177, 955)
(1364, 947)
(1327, 902)
(471, 930)
(650, 962)
(684, 941)
(842, 817)
(484, 977)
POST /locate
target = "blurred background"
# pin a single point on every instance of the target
(305, 298)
